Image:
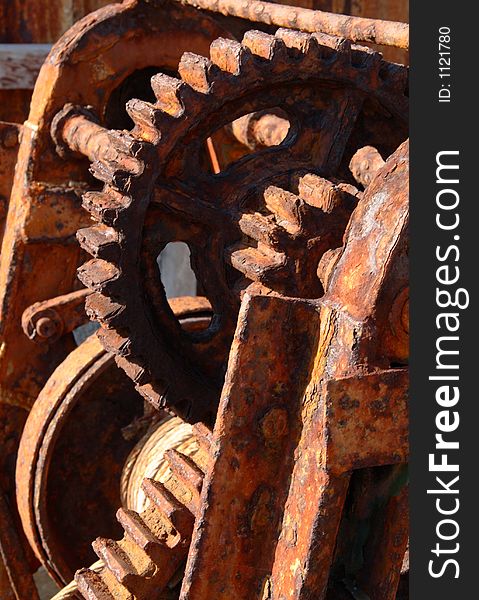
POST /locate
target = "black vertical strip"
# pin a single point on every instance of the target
(444, 568)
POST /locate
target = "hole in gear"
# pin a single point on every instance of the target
(177, 276)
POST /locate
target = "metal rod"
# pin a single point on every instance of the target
(356, 29)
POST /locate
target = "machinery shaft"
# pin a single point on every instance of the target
(357, 29)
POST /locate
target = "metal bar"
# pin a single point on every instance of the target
(356, 29)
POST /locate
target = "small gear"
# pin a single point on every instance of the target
(338, 97)
(144, 563)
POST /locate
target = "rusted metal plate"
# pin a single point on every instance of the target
(367, 420)
(355, 329)
(54, 214)
(256, 432)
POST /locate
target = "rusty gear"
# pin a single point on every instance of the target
(338, 98)
(74, 446)
(144, 563)
(272, 439)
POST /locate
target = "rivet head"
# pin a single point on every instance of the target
(46, 327)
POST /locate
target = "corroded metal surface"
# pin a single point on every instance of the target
(143, 564)
(9, 143)
(75, 443)
(156, 191)
(108, 52)
(50, 319)
(286, 451)
(357, 29)
(34, 22)
(16, 582)
(364, 164)
(70, 458)
(350, 400)
(45, 209)
(243, 159)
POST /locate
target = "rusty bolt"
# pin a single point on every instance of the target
(46, 327)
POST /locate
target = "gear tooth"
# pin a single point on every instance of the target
(169, 507)
(363, 57)
(117, 174)
(136, 528)
(262, 229)
(195, 70)
(258, 264)
(100, 241)
(147, 118)
(332, 47)
(327, 196)
(125, 146)
(364, 164)
(262, 44)
(296, 40)
(287, 208)
(204, 435)
(204, 438)
(326, 265)
(122, 158)
(188, 475)
(114, 342)
(185, 469)
(104, 310)
(98, 275)
(92, 586)
(115, 559)
(105, 207)
(318, 192)
(133, 367)
(168, 94)
(228, 55)
(154, 393)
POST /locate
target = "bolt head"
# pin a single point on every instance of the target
(46, 327)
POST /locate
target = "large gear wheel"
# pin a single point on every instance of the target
(337, 98)
(146, 563)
